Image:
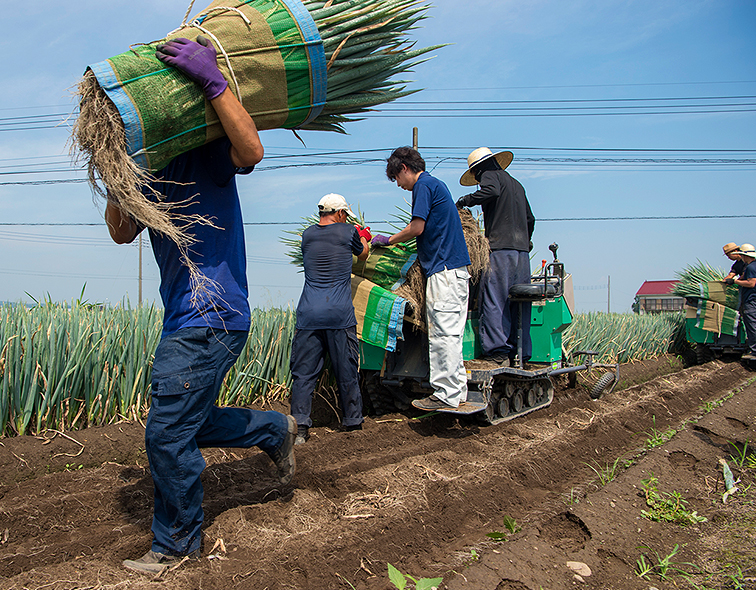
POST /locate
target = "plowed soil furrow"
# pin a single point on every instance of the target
(417, 494)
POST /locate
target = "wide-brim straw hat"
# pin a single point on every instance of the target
(729, 248)
(747, 250)
(477, 156)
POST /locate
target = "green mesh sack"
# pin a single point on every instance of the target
(293, 64)
(269, 51)
(387, 266)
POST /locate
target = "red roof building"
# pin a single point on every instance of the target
(656, 297)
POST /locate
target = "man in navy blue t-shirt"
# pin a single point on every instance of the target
(747, 284)
(325, 314)
(205, 329)
(443, 257)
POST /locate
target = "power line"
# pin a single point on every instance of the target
(386, 221)
(596, 85)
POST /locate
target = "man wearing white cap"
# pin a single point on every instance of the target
(325, 314)
(747, 284)
(509, 225)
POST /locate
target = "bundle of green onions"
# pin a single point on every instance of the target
(693, 276)
(293, 65)
(365, 45)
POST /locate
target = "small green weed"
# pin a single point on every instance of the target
(664, 567)
(399, 580)
(510, 524)
(606, 473)
(742, 456)
(736, 578)
(667, 507)
(657, 438)
(571, 498)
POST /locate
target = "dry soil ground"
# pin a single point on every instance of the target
(419, 494)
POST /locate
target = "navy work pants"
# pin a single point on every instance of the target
(499, 317)
(187, 374)
(308, 352)
(748, 313)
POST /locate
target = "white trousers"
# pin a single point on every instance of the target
(446, 309)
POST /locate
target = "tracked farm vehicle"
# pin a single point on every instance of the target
(392, 379)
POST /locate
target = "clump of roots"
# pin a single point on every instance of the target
(99, 139)
(477, 245)
(413, 288)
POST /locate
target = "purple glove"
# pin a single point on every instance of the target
(196, 60)
(379, 240)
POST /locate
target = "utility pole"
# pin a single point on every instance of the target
(414, 138)
(608, 294)
(140, 269)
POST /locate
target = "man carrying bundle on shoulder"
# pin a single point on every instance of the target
(201, 339)
(325, 314)
(443, 257)
(747, 284)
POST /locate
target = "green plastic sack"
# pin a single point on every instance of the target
(271, 53)
(379, 313)
(719, 292)
(387, 266)
(715, 317)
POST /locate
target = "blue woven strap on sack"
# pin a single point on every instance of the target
(403, 272)
(316, 53)
(132, 124)
(395, 323)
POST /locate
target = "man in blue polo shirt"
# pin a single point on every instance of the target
(204, 330)
(443, 257)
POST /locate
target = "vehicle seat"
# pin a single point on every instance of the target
(531, 291)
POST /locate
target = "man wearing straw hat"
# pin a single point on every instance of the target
(747, 284)
(201, 340)
(442, 254)
(730, 250)
(509, 225)
(325, 314)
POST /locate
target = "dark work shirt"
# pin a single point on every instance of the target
(738, 267)
(507, 217)
(202, 182)
(748, 295)
(326, 301)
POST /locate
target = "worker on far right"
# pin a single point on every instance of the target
(509, 225)
(747, 284)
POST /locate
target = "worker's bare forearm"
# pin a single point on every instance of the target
(246, 147)
(413, 229)
(365, 250)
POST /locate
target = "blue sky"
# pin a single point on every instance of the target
(637, 62)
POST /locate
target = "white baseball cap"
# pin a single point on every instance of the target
(332, 203)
